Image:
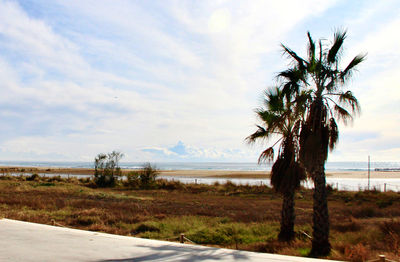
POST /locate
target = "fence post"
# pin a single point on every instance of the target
(384, 187)
(181, 238)
(382, 258)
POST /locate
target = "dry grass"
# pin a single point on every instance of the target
(363, 224)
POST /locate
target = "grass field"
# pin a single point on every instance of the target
(363, 224)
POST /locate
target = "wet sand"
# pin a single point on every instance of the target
(196, 173)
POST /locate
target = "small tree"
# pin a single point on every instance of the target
(106, 168)
(148, 175)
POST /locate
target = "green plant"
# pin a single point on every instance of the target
(366, 212)
(384, 203)
(33, 177)
(147, 175)
(304, 251)
(132, 179)
(106, 169)
(146, 227)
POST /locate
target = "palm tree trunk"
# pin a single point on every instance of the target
(320, 241)
(287, 217)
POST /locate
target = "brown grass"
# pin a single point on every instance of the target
(361, 227)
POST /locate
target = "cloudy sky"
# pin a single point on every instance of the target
(179, 80)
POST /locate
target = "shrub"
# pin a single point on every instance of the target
(352, 226)
(170, 185)
(106, 169)
(366, 212)
(6, 177)
(147, 175)
(330, 189)
(87, 220)
(55, 179)
(146, 227)
(33, 177)
(132, 179)
(84, 180)
(384, 203)
(391, 231)
(356, 253)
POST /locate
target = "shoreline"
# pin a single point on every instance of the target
(199, 173)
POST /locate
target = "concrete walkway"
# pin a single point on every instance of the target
(23, 241)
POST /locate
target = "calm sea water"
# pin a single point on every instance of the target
(231, 166)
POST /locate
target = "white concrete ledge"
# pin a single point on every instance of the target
(23, 241)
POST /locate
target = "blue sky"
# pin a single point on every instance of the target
(179, 80)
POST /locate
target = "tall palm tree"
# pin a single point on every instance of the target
(281, 118)
(327, 104)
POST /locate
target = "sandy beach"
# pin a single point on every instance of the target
(265, 174)
(196, 173)
(364, 174)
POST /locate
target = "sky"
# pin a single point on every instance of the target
(179, 80)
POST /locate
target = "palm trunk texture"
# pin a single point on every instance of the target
(320, 241)
(287, 217)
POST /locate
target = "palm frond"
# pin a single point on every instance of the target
(293, 75)
(331, 85)
(333, 52)
(320, 50)
(333, 134)
(291, 54)
(301, 103)
(348, 98)
(273, 101)
(267, 155)
(287, 74)
(311, 48)
(272, 120)
(286, 175)
(342, 114)
(346, 73)
(261, 133)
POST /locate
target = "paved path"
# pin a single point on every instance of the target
(23, 241)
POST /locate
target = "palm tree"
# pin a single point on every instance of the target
(281, 117)
(327, 103)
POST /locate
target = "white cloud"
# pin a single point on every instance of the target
(84, 77)
(182, 152)
(378, 91)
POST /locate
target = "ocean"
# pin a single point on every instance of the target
(229, 166)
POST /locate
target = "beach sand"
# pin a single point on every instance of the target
(364, 174)
(196, 173)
